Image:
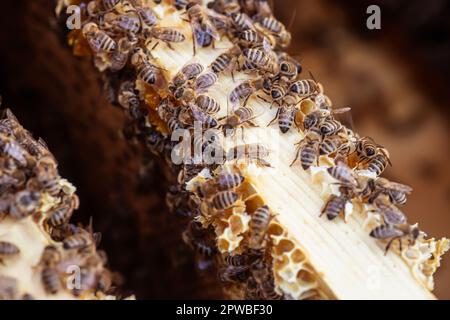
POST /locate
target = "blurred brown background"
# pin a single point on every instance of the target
(395, 80)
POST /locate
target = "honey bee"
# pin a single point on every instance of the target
(207, 104)
(147, 16)
(304, 88)
(47, 175)
(8, 288)
(14, 150)
(128, 23)
(237, 260)
(225, 60)
(187, 73)
(253, 39)
(8, 250)
(62, 213)
(228, 180)
(165, 34)
(205, 119)
(252, 152)
(396, 191)
(244, 90)
(286, 117)
(267, 288)
(261, 59)
(336, 204)
(203, 30)
(241, 21)
(374, 156)
(79, 240)
(205, 81)
(395, 232)
(391, 214)
(25, 204)
(98, 40)
(224, 200)
(307, 149)
(234, 274)
(109, 5)
(330, 127)
(119, 58)
(344, 174)
(258, 226)
(127, 96)
(50, 276)
(225, 7)
(242, 115)
(202, 247)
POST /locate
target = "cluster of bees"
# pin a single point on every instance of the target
(251, 269)
(29, 181)
(120, 33)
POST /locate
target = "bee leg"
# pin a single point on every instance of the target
(296, 156)
(389, 245)
(169, 46)
(276, 117)
(245, 101)
(252, 124)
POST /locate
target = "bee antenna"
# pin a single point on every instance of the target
(291, 22)
(312, 76)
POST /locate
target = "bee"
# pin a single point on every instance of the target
(286, 117)
(205, 119)
(25, 204)
(391, 214)
(127, 96)
(228, 180)
(109, 5)
(304, 88)
(62, 214)
(8, 250)
(261, 59)
(237, 260)
(244, 90)
(202, 247)
(224, 200)
(307, 149)
(330, 145)
(50, 276)
(203, 30)
(147, 16)
(258, 226)
(242, 115)
(318, 117)
(241, 21)
(270, 23)
(14, 150)
(252, 291)
(207, 104)
(252, 152)
(253, 39)
(267, 288)
(148, 73)
(188, 72)
(98, 40)
(225, 7)
(330, 127)
(205, 81)
(374, 156)
(166, 35)
(379, 163)
(47, 174)
(289, 67)
(119, 58)
(8, 288)
(336, 204)
(234, 274)
(225, 60)
(180, 4)
(128, 23)
(79, 240)
(395, 232)
(344, 174)
(396, 191)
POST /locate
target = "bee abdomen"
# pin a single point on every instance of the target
(224, 200)
(51, 280)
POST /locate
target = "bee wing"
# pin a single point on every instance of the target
(399, 187)
(344, 116)
(393, 215)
